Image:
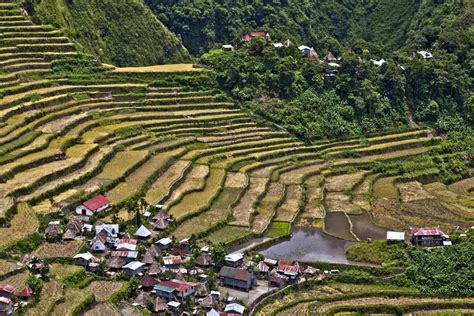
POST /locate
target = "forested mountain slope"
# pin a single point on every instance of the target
(121, 32)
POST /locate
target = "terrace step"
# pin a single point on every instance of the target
(20, 61)
(12, 18)
(27, 28)
(46, 55)
(35, 40)
(52, 33)
(7, 5)
(16, 23)
(30, 48)
(28, 66)
(10, 12)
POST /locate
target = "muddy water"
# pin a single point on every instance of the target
(309, 244)
(364, 228)
(337, 225)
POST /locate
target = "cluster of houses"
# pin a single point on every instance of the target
(8, 296)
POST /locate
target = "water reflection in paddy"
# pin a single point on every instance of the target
(309, 244)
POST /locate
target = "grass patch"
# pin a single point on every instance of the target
(228, 234)
(23, 224)
(278, 229)
(120, 163)
(377, 252)
(64, 249)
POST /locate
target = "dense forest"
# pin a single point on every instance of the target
(125, 33)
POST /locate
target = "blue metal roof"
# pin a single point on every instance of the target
(163, 288)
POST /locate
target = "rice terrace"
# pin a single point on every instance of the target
(157, 162)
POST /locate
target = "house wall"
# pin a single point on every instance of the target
(80, 208)
(165, 295)
(131, 272)
(236, 283)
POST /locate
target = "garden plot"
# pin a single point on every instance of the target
(103, 290)
(361, 197)
(315, 181)
(291, 205)
(17, 280)
(161, 187)
(5, 204)
(236, 180)
(340, 202)
(61, 271)
(198, 200)
(102, 309)
(50, 294)
(266, 207)
(344, 182)
(227, 235)
(385, 203)
(25, 178)
(72, 299)
(7, 266)
(412, 191)
(296, 176)
(120, 163)
(60, 124)
(243, 210)
(219, 212)
(314, 208)
(463, 187)
(137, 178)
(23, 224)
(195, 180)
(45, 206)
(63, 249)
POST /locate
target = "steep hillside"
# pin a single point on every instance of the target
(124, 33)
(321, 23)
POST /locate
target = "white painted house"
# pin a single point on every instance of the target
(94, 205)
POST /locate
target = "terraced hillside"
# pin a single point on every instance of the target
(222, 174)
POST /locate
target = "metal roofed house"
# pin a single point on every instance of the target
(125, 245)
(134, 268)
(429, 237)
(128, 255)
(330, 57)
(234, 259)
(7, 290)
(307, 51)
(165, 292)
(238, 278)
(184, 290)
(143, 232)
(5, 306)
(251, 35)
(227, 48)
(378, 63)
(98, 243)
(85, 259)
(172, 262)
(148, 282)
(94, 205)
(111, 229)
(425, 54)
(164, 243)
(395, 236)
(234, 308)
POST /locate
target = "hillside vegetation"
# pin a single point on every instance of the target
(125, 33)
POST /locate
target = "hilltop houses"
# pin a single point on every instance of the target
(92, 206)
(251, 35)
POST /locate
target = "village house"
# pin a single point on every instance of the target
(277, 280)
(164, 243)
(160, 221)
(183, 290)
(126, 245)
(134, 268)
(330, 57)
(5, 306)
(172, 262)
(429, 237)
(378, 63)
(112, 230)
(238, 278)
(204, 261)
(148, 282)
(7, 290)
(249, 36)
(289, 269)
(164, 292)
(94, 205)
(86, 260)
(26, 294)
(227, 48)
(99, 242)
(307, 51)
(116, 263)
(234, 308)
(53, 231)
(143, 233)
(425, 54)
(127, 255)
(234, 259)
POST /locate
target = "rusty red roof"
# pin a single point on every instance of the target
(172, 260)
(426, 231)
(288, 269)
(7, 288)
(27, 292)
(180, 286)
(96, 202)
